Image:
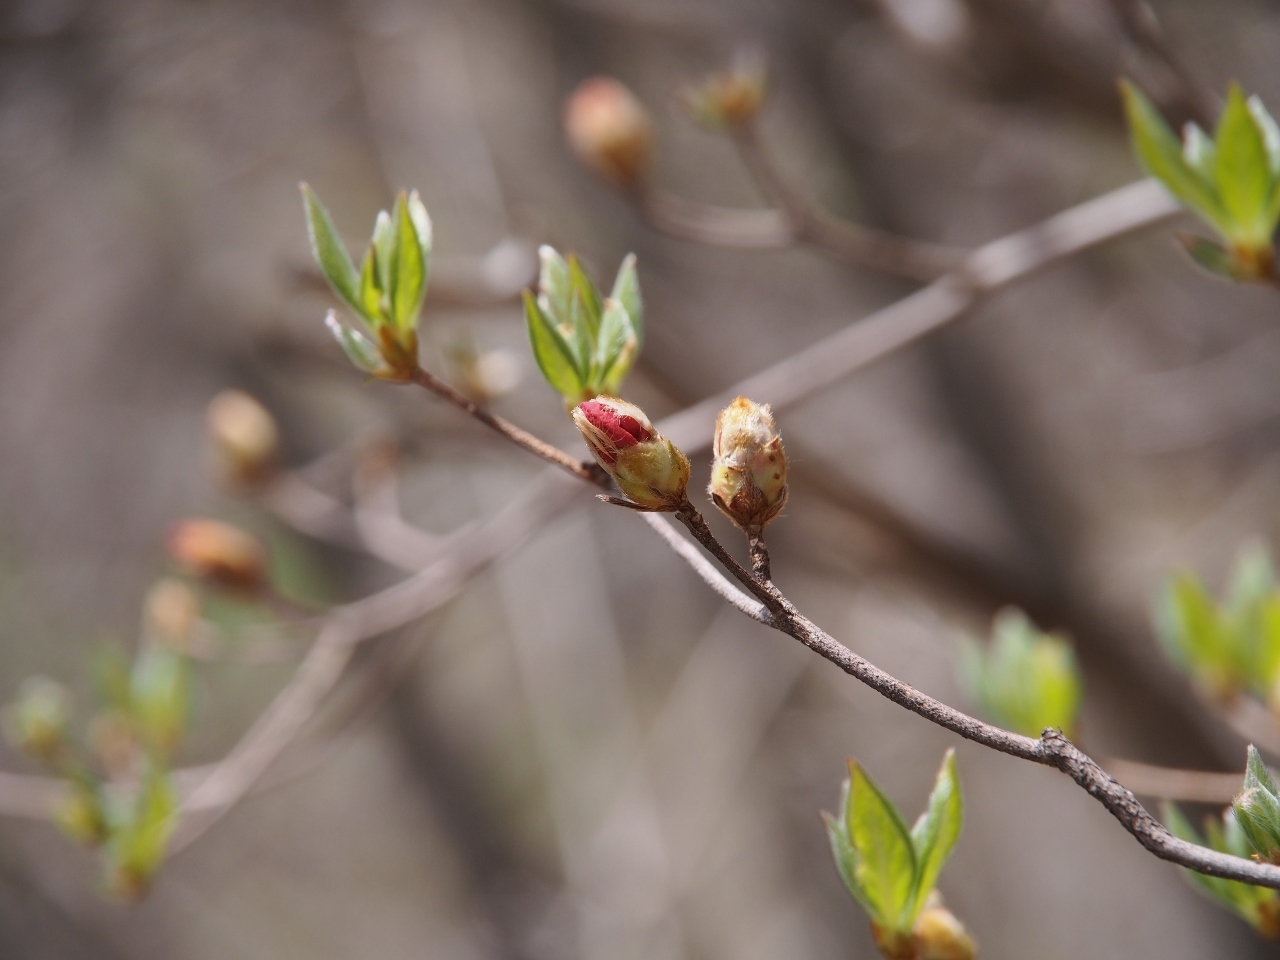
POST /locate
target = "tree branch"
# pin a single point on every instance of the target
(1051, 749)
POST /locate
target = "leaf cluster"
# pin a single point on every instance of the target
(1258, 906)
(388, 289)
(584, 344)
(1228, 646)
(1230, 180)
(1024, 679)
(890, 869)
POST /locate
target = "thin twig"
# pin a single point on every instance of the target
(1169, 783)
(521, 438)
(1051, 749)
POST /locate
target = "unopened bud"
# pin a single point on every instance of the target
(1257, 808)
(244, 437)
(36, 721)
(729, 99)
(609, 130)
(170, 612)
(940, 936)
(218, 552)
(646, 466)
(749, 474)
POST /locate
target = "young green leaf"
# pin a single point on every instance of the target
(422, 227)
(886, 868)
(360, 350)
(409, 270)
(936, 831)
(371, 300)
(139, 833)
(626, 290)
(1160, 153)
(553, 355)
(555, 289)
(160, 697)
(384, 243)
(844, 853)
(1242, 172)
(615, 348)
(1197, 148)
(585, 305)
(330, 254)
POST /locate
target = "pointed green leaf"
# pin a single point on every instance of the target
(422, 226)
(886, 868)
(616, 347)
(140, 832)
(1160, 153)
(1270, 132)
(554, 357)
(555, 290)
(1256, 773)
(410, 269)
(626, 290)
(360, 350)
(1197, 148)
(587, 305)
(384, 241)
(1242, 171)
(935, 833)
(330, 254)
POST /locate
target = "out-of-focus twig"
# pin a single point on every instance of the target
(1169, 783)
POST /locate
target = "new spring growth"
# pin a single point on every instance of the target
(36, 721)
(218, 553)
(609, 130)
(388, 289)
(749, 471)
(729, 99)
(1257, 809)
(1231, 181)
(891, 870)
(1258, 906)
(645, 465)
(244, 439)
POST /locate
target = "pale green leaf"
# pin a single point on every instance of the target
(1242, 171)
(360, 350)
(626, 290)
(330, 254)
(886, 868)
(1158, 150)
(616, 347)
(934, 835)
(409, 269)
(554, 357)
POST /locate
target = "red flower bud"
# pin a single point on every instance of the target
(646, 466)
(218, 552)
(609, 130)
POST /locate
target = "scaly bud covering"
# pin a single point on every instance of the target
(749, 475)
(1257, 809)
(218, 552)
(940, 936)
(244, 437)
(609, 130)
(646, 466)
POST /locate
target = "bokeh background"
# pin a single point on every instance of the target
(586, 755)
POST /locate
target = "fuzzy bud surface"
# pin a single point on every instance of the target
(749, 473)
(218, 552)
(646, 466)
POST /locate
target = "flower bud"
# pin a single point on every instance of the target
(36, 721)
(170, 612)
(1257, 808)
(729, 99)
(646, 466)
(940, 936)
(219, 553)
(749, 474)
(244, 437)
(609, 130)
